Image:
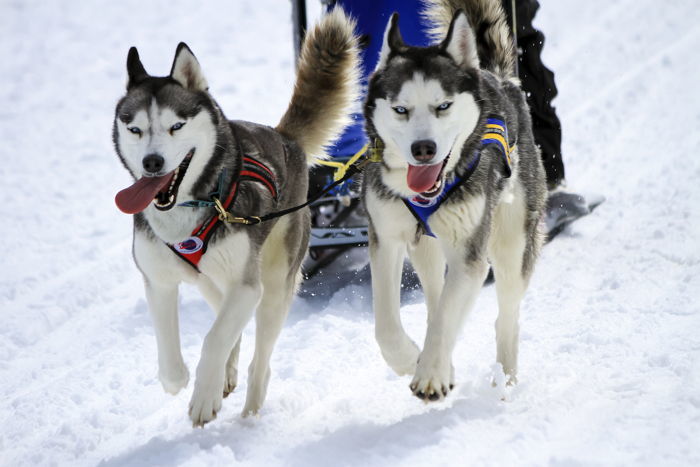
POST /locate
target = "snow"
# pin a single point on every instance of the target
(610, 353)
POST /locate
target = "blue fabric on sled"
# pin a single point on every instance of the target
(372, 17)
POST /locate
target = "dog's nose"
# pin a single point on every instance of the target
(153, 163)
(423, 150)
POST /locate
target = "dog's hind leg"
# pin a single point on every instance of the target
(510, 288)
(512, 252)
(278, 292)
(386, 262)
(213, 297)
(281, 259)
(231, 379)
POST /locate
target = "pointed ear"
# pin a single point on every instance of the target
(460, 42)
(186, 70)
(134, 68)
(393, 42)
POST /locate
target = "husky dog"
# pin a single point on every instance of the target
(461, 184)
(175, 141)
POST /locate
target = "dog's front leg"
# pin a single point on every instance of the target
(386, 262)
(238, 304)
(433, 379)
(162, 303)
(161, 275)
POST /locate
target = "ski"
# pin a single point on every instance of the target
(564, 208)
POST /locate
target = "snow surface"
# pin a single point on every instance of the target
(610, 370)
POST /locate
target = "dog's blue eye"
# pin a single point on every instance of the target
(177, 126)
(135, 130)
(444, 106)
(400, 110)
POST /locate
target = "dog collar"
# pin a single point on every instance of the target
(193, 248)
(496, 134)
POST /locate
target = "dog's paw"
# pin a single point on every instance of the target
(251, 410)
(174, 379)
(432, 382)
(205, 404)
(503, 379)
(402, 358)
(254, 401)
(230, 381)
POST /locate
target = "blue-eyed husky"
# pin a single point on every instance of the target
(186, 158)
(461, 184)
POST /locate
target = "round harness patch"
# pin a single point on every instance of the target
(424, 202)
(189, 245)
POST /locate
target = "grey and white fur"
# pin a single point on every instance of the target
(443, 94)
(246, 269)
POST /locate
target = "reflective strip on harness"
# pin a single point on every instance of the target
(193, 248)
(497, 134)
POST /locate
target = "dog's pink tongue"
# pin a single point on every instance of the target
(422, 178)
(136, 198)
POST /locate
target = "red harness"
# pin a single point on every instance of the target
(193, 248)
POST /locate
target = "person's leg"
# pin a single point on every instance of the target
(538, 83)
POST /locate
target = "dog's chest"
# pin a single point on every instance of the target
(390, 217)
(229, 258)
(452, 222)
(175, 225)
(455, 222)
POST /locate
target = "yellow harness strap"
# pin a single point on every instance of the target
(340, 167)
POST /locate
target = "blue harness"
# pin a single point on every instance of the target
(496, 134)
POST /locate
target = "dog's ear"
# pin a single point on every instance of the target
(134, 68)
(393, 42)
(186, 70)
(460, 42)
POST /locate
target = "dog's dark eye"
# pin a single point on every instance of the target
(400, 110)
(176, 127)
(444, 106)
(135, 130)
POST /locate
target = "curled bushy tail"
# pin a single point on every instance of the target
(327, 85)
(490, 25)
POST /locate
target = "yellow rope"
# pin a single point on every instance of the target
(340, 167)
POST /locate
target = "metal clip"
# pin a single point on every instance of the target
(252, 220)
(227, 217)
(223, 213)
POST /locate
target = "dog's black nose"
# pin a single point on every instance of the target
(153, 163)
(423, 150)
